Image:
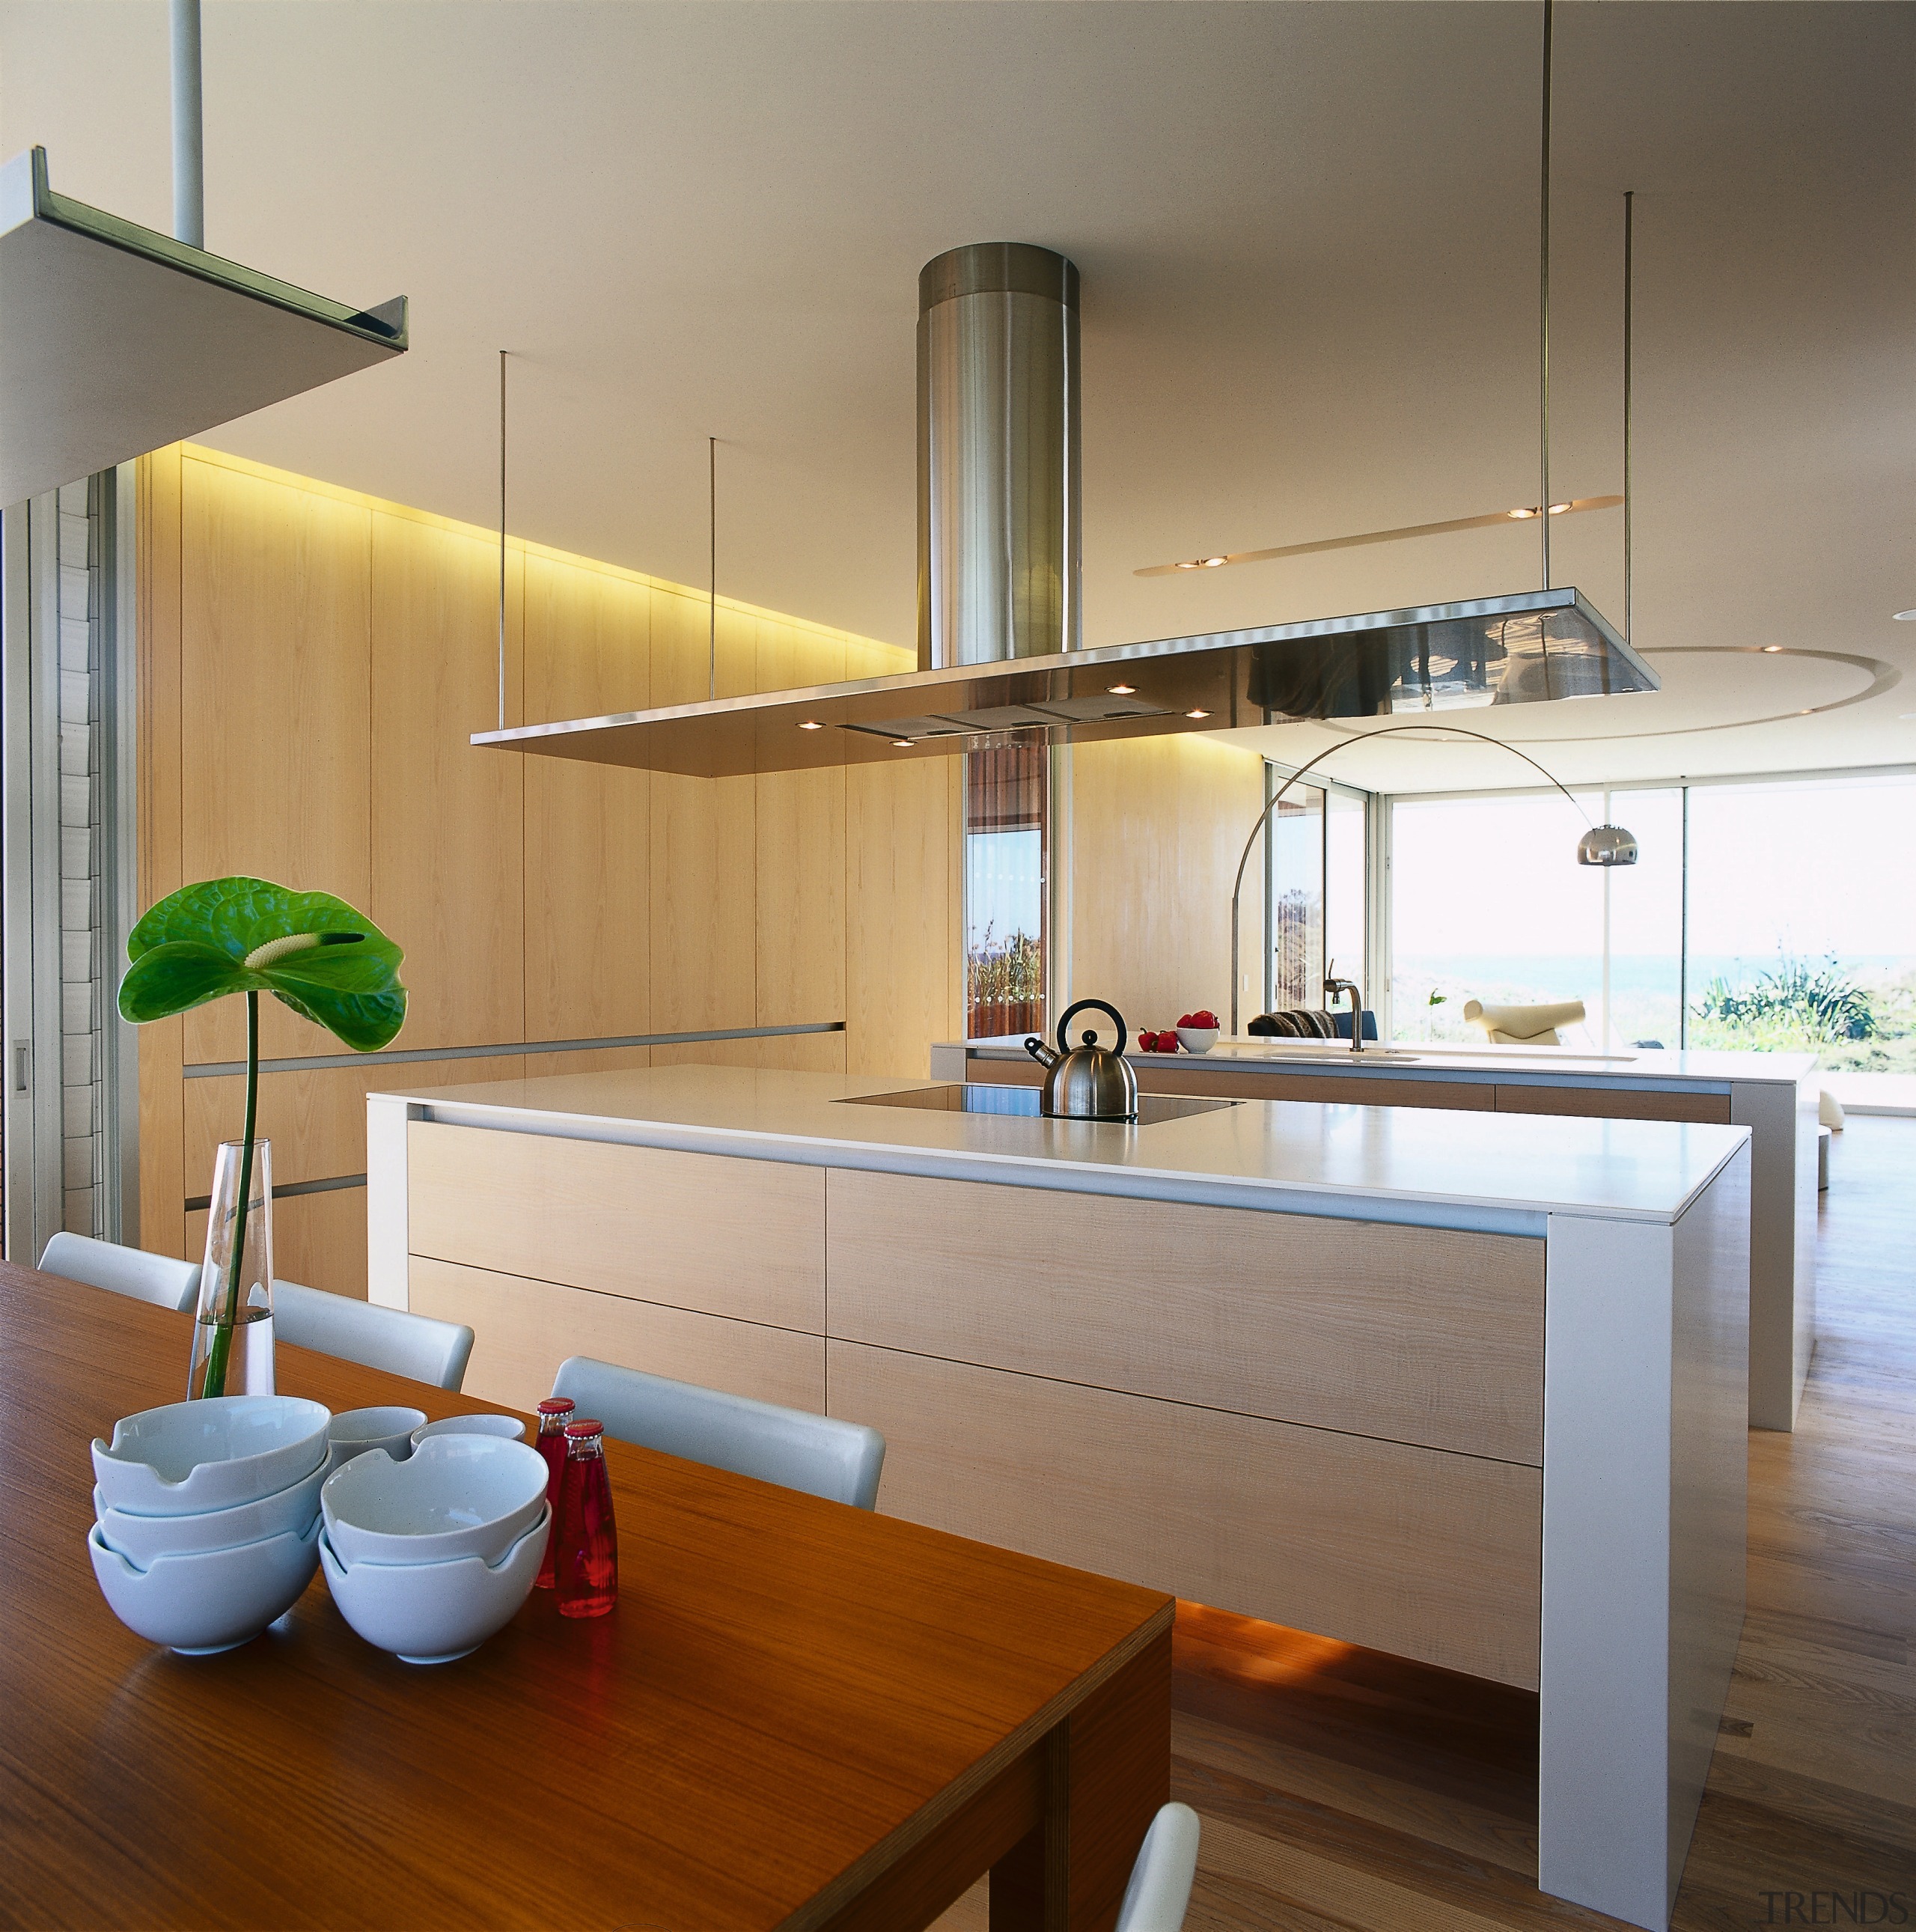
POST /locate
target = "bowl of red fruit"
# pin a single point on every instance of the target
(1197, 1033)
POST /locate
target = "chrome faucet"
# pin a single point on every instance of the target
(1332, 988)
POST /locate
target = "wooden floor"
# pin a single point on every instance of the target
(1341, 1789)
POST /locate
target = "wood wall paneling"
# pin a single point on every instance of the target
(1429, 1555)
(312, 662)
(704, 936)
(1421, 1335)
(787, 1053)
(600, 1060)
(275, 776)
(682, 653)
(523, 1330)
(1157, 826)
(316, 1117)
(745, 1238)
(318, 1241)
(447, 819)
(587, 967)
(799, 830)
(903, 979)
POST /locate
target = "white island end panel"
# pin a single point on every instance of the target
(1645, 1461)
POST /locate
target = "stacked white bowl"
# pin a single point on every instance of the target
(427, 1557)
(207, 1516)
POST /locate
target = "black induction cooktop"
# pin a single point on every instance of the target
(1022, 1102)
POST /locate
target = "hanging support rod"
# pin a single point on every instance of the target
(1543, 300)
(189, 152)
(501, 539)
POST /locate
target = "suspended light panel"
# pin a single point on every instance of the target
(116, 340)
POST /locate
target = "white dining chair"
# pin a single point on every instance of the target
(819, 1454)
(377, 1338)
(162, 1279)
(1160, 1889)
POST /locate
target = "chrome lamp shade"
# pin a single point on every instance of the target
(1607, 845)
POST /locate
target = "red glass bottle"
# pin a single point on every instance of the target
(554, 1412)
(588, 1554)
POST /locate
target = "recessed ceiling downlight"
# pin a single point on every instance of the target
(1903, 616)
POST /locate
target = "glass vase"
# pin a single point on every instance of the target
(232, 1335)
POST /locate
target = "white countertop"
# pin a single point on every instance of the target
(1562, 1065)
(1428, 1165)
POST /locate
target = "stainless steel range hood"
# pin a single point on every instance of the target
(1532, 647)
(998, 595)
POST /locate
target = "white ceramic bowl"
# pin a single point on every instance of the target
(455, 1496)
(212, 1600)
(192, 1456)
(143, 1540)
(432, 1612)
(355, 1431)
(1197, 1039)
(509, 1426)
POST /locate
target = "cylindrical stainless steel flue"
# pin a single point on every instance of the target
(998, 511)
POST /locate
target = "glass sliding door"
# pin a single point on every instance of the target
(1006, 827)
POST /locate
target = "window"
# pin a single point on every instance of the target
(1317, 858)
(1775, 916)
(1487, 900)
(1802, 920)
(1007, 800)
(1295, 976)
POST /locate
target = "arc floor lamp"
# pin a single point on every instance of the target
(1599, 845)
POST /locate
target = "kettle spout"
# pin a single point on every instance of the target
(1040, 1052)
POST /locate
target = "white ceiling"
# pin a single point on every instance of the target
(1308, 238)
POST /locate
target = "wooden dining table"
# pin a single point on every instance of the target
(799, 1715)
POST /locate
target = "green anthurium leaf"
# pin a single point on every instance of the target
(193, 947)
(365, 1022)
(167, 979)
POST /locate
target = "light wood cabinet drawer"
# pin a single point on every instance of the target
(523, 1329)
(1419, 1335)
(743, 1238)
(1427, 1556)
(1338, 1089)
(1613, 1103)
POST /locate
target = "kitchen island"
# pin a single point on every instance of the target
(1289, 1359)
(1774, 1095)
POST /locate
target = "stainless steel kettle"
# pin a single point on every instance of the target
(1088, 1081)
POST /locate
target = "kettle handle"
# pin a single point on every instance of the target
(1086, 1005)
